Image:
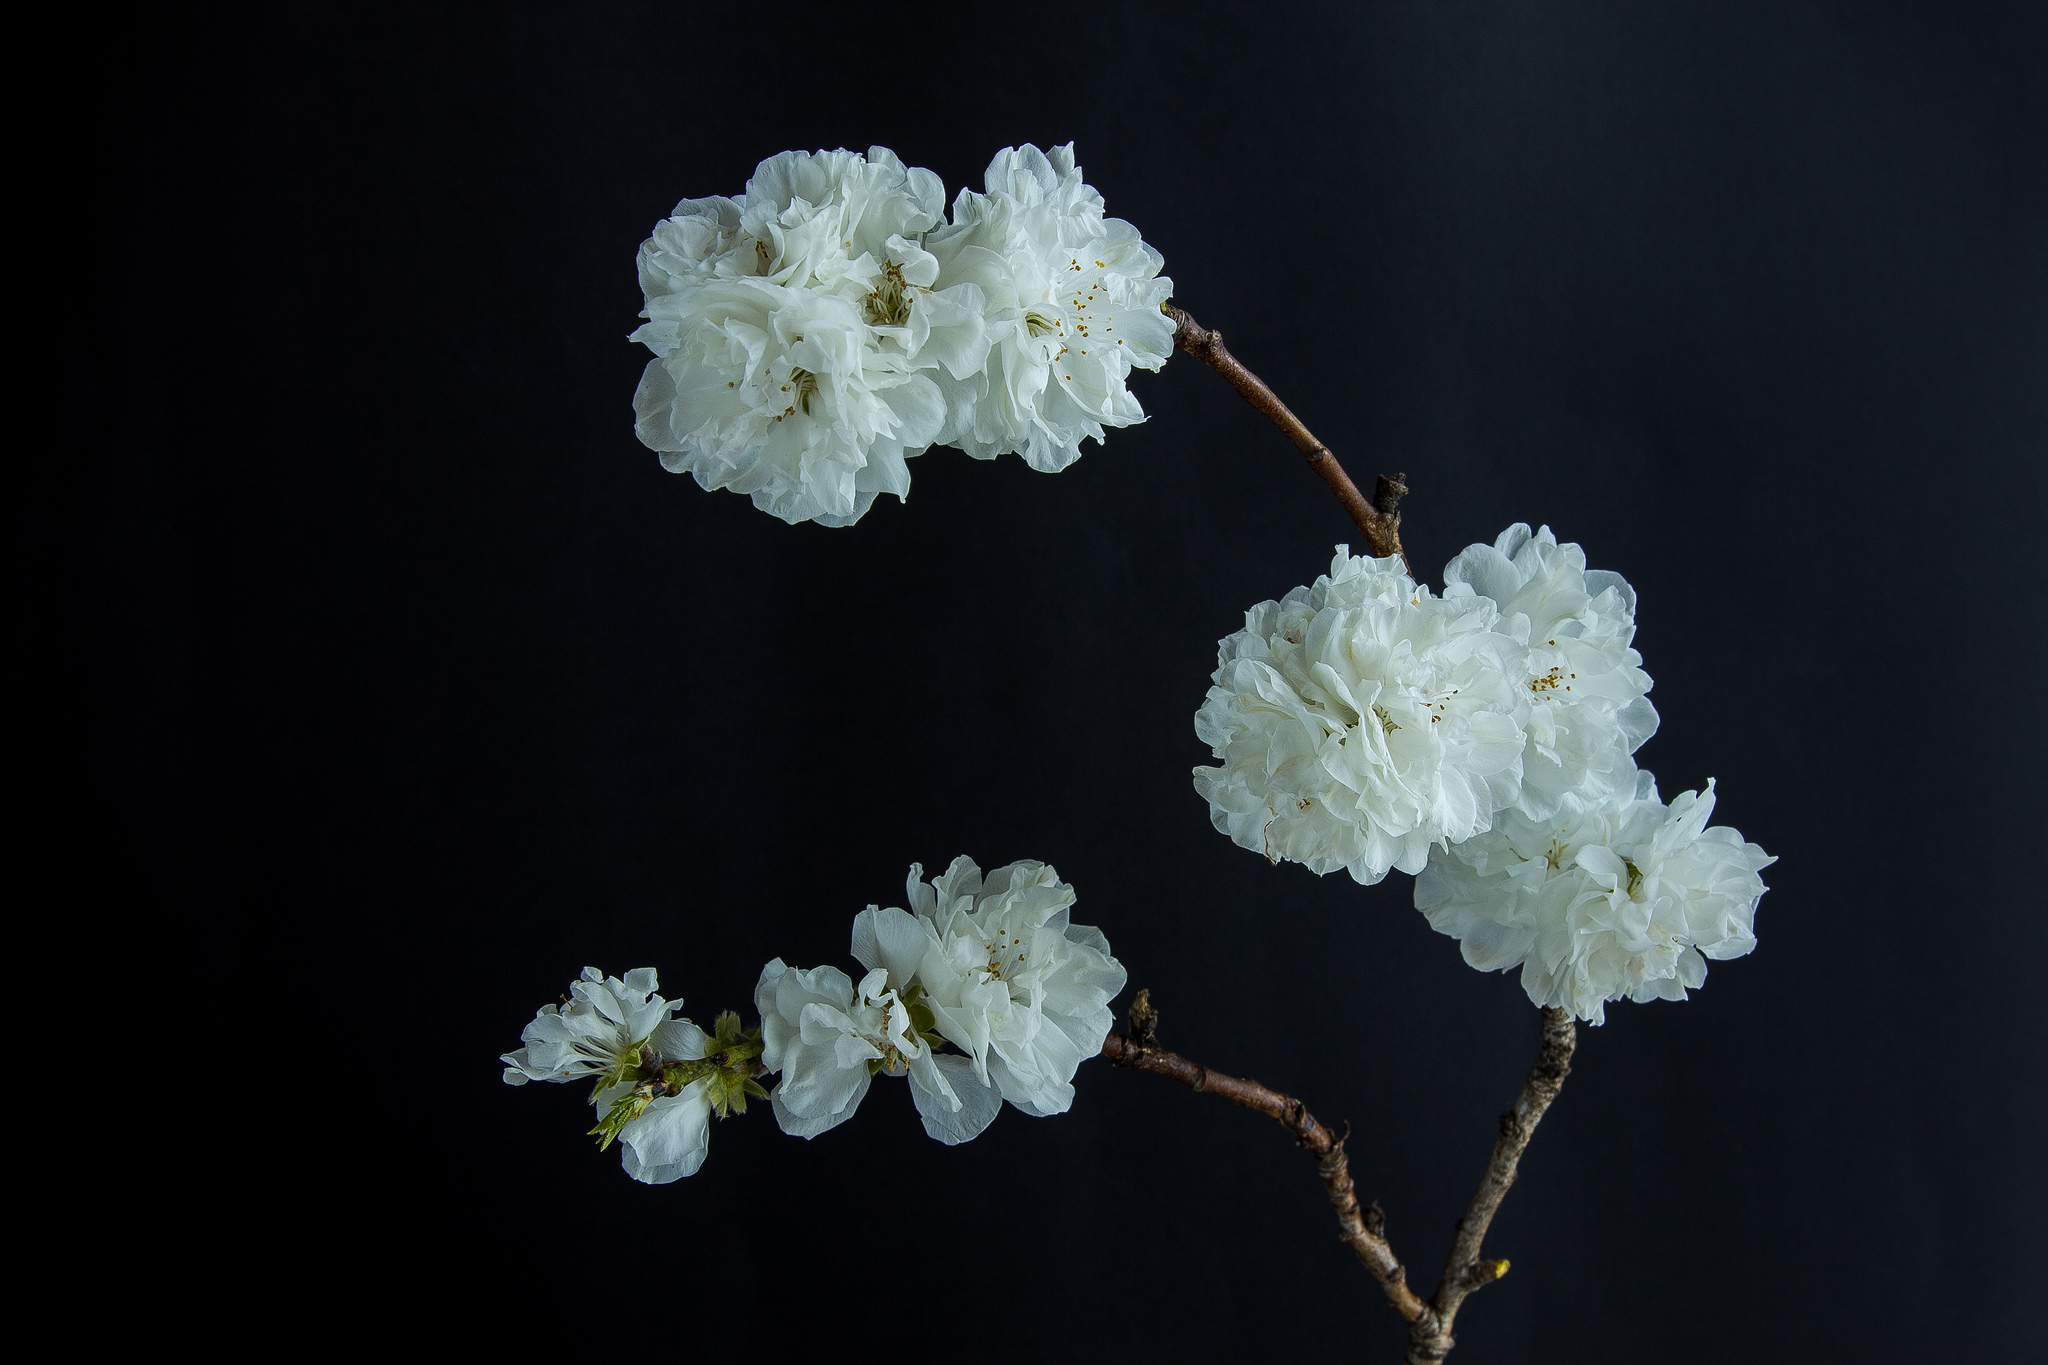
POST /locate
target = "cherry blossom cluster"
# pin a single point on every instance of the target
(1484, 739)
(815, 333)
(991, 966)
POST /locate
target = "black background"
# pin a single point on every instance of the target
(395, 681)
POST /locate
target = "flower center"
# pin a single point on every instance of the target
(1553, 680)
(888, 303)
(1000, 951)
(802, 384)
(622, 1061)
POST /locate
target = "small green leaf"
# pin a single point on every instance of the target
(624, 1110)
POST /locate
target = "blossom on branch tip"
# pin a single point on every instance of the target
(792, 330)
(1588, 708)
(1072, 302)
(597, 1034)
(654, 1094)
(814, 334)
(1624, 899)
(1361, 719)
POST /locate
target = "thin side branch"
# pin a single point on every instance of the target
(1364, 1230)
(1379, 521)
(1465, 1272)
(1359, 1229)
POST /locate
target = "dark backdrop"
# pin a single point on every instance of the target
(395, 681)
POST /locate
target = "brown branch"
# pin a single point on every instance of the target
(1465, 1272)
(1361, 1230)
(1379, 521)
(1364, 1231)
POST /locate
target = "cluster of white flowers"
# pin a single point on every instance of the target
(1484, 739)
(817, 332)
(618, 1033)
(991, 965)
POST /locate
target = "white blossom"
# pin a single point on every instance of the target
(1073, 303)
(1627, 898)
(1362, 719)
(670, 1136)
(1009, 979)
(829, 1038)
(793, 328)
(1587, 708)
(599, 1032)
(612, 1030)
(893, 943)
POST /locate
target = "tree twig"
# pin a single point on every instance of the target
(1379, 521)
(1361, 1230)
(1464, 1271)
(1364, 1230)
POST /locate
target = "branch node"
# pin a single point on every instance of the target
(1144, 1020)
(1377, 520)
(1388, 492)
(1357, 1229)
(1465, 1272)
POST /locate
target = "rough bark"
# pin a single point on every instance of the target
(1465, 1271)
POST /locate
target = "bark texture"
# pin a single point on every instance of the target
(1430, 1339)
